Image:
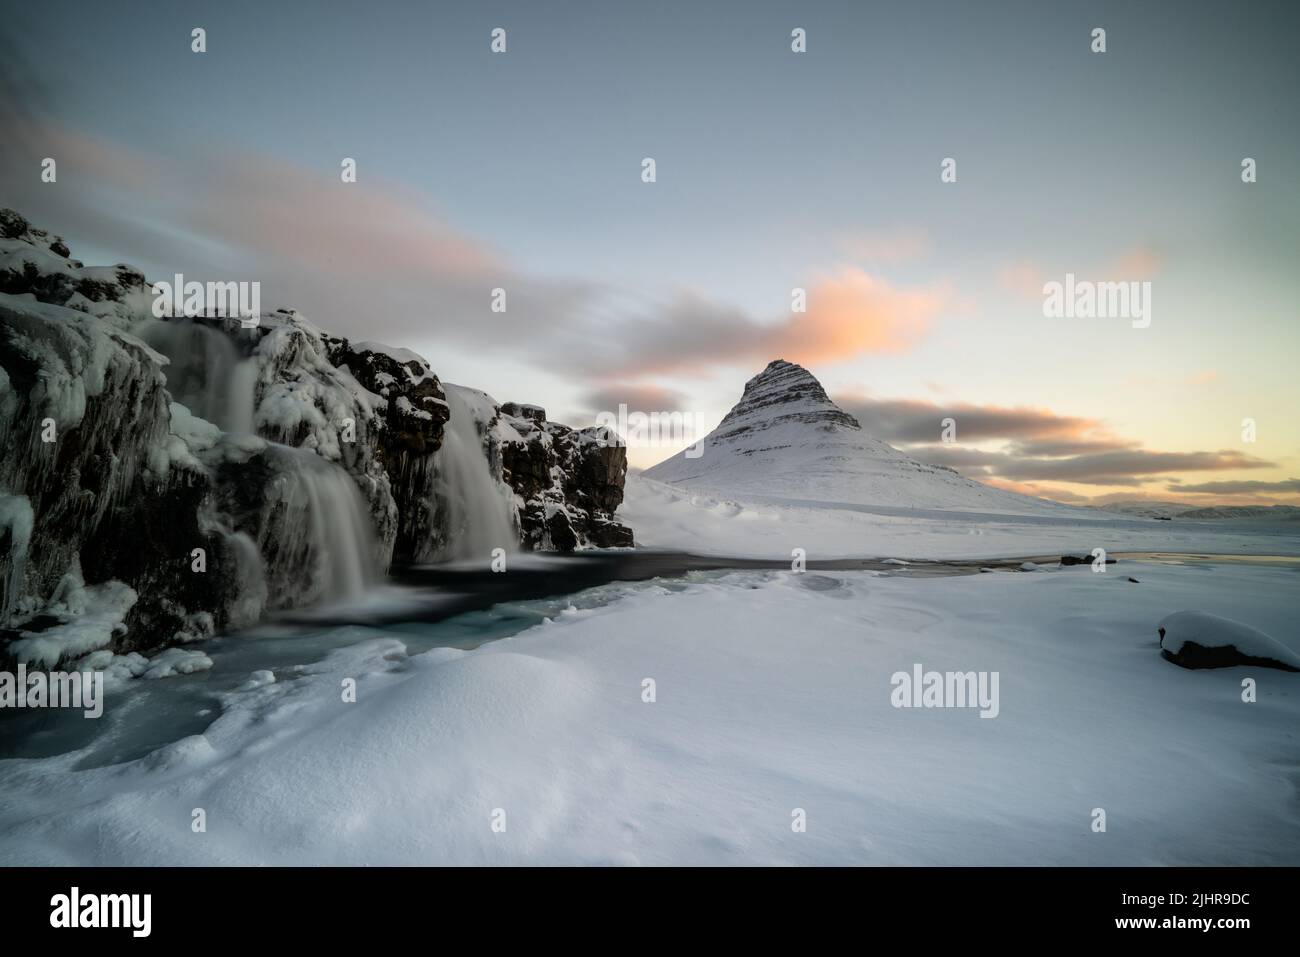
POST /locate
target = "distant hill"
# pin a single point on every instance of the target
(1282, 513)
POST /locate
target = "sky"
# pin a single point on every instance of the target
(774, 171)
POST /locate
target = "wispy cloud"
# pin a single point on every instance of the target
(373, 259)
(644, 397)
(1240, 487)
(849, 313)
(1016, 447)
(919, 421)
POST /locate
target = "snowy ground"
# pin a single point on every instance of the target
(765, 527)
(772, 694)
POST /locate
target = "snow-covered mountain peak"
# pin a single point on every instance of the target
(785, 438)
(783, 393)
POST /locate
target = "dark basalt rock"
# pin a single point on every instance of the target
(1202, 640)
(1068, 560)
(1194, 656)
(533, 413)
(570, 481)
(414, 420)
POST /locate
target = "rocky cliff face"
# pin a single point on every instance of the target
(160, 479)
(568, 482)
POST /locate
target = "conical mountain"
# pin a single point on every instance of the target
(785, 439)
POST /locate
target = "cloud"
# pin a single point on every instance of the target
(642, 397)
(368, 259)
(849, 313)
(1235, 488)
(918, 420)
(373, 259)
(1130, 466)
(1009, 445)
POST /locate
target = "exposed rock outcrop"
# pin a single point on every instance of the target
(1197, 639)
(568, 482)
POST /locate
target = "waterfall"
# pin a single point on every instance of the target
(478, 514)
(314, 537)
(243, 397)
(317, 531)
(16, 522)
(205, 371)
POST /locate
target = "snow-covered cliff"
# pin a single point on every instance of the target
(212, 473)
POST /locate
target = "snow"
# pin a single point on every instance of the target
(483, 408)
(121, 668)
(786, 438)
(1211, 631)
(188, 438)
(752, 525)
(772, 692)
(88, 617)
(789, 469)
(177, 661)
(393, 352)
(408, 408)
(76, 354)
(116, 668)
(305, 401)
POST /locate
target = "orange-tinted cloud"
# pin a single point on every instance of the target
(1136, 264)
(852, 313)
(367, 259)
(849, 313)
(368, 230)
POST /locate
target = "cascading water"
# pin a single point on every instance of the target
(317, 529)
(315, 541)
(206, 372)
(477, 513)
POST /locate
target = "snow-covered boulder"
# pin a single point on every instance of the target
(1197, 639)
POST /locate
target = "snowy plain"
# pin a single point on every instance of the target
(757, 526)
(772, 694)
